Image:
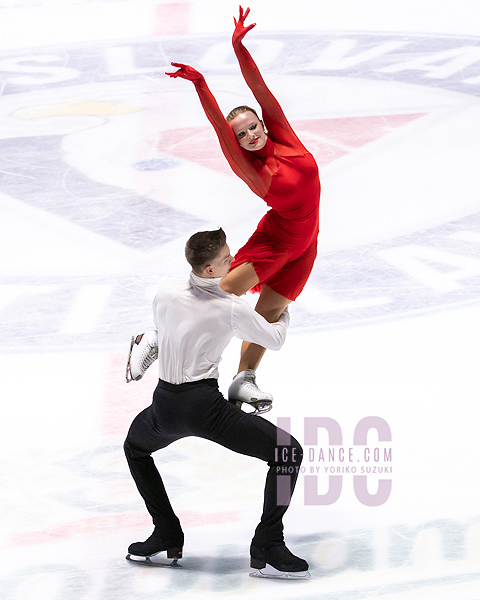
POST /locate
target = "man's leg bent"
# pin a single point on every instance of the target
(257, 437)
(142, 440)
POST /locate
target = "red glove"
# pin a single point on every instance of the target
(240, 29)
(186, 72)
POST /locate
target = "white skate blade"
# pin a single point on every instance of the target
(269, 572)
(142, 353)
(256, 407)
(128, 373)
(146, 561)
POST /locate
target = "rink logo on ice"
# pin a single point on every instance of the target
(444, 62)
(65, 108)
(326, 465)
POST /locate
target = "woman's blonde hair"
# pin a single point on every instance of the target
(239, 110)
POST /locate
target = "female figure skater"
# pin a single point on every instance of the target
(278, 258)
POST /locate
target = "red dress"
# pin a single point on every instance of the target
(283, 248)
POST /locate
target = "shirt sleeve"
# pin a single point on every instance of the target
(250, 326)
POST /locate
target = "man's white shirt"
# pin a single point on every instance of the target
(196, 320)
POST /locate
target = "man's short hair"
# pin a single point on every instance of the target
(203, 248)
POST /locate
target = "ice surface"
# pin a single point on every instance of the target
(106, 167)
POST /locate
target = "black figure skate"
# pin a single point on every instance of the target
(277, 563)
(141, 552)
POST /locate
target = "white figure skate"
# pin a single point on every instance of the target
(244, 389)
(143, 352)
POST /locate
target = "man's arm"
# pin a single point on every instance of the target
(250, 326)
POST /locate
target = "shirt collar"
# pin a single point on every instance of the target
(205, 282)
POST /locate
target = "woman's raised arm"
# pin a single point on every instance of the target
(272, 112)
(235, 155)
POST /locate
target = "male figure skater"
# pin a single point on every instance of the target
(195, 320)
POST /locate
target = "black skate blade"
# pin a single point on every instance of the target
(146, 561)
(269, 572)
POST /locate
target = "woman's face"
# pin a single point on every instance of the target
(249, 131)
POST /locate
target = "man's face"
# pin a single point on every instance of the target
(221, 265)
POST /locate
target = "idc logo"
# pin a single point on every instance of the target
(366, 461)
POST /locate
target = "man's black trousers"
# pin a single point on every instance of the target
(199, 409)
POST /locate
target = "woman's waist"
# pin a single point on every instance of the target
(297, 206)
(298, 217)
(289, 227)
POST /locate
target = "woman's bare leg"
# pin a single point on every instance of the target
(270, 305)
